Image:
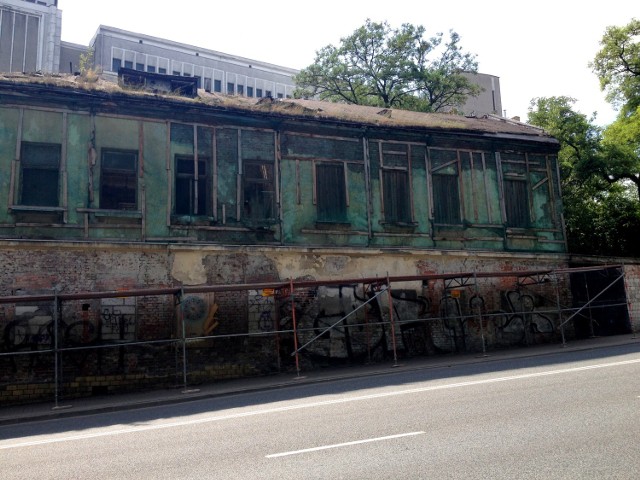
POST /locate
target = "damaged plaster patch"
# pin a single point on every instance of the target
(188, 268)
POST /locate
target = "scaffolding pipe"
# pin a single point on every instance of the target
(392, 321)
(295, 352)
(295, 327)
(593, 299)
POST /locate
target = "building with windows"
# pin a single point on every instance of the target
(111, 197)
(30, 36)
(30, 33)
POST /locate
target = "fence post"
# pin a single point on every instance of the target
(479, 307)
(184, 347)
(392, 321)
(56, 352)
(557, 282)
(295, 326)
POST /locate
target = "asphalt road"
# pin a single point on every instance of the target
(569, 415)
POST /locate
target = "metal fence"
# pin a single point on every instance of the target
(61, 345)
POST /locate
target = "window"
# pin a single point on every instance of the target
(280, 95)
(140, 67)
(176, 73)
(217, 86)
(516, 202)
(116, 64)
(268, 93)
(151, 69)
(207, 85)
(231, 88)
(259, 92)
(118, 180)
(40, 173)
(249, 91)
(259, 191)
(128, 64)
(199, 80)
(395, 185)
(192, 187)
(162, 70)
(331, 192)
(240, 89)
(446, 199)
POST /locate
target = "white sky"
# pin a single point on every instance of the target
(538, 49)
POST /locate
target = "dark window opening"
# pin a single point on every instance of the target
(40, 173)
(192, 188)
(280, 95)
(397, 208)
(151, 69)
(331, 193)
(446, 199)
(231, 87)
(140, 67)
(116, 64)
(267, 93)
(259, 92)
(128, 64)
(207, 85)
(199, 81)
(176, 73)
(118, 180)
(516, 202)
(162, 71)
(240, 89)
(217, 86)
(249, 91)
(259, 191)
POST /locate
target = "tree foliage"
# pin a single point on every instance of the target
(400, 68)
(602, 213)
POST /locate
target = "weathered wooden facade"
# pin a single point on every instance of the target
(83, 163)
(104, 188)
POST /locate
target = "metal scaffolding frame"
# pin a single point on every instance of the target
(373, 289)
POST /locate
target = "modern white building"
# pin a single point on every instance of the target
(30, 41)
(30, 36)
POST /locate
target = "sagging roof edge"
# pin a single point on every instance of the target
(151, 105)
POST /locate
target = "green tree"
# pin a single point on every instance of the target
(617, 65)
(602, 214)
(400, 68)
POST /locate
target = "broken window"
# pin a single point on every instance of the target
(516, 202)
(395, 185)
(118, 180)
(40, 173)
(192, 186)
(331, 192)
(259, 191)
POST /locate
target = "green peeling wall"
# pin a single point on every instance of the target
(259, 182)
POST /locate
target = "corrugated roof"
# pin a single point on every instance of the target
(298, 108)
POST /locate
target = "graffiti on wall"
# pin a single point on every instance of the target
(199, 315)
(350, 322)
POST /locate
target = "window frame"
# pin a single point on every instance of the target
(321, 198)
(37, 179)
(197, 181)
(248, 182)
(132, 174)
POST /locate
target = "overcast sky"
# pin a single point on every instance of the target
(538, 49)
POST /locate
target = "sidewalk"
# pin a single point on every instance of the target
(108, 403)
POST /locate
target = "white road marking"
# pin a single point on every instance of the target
(346, 444)
(199, 421)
